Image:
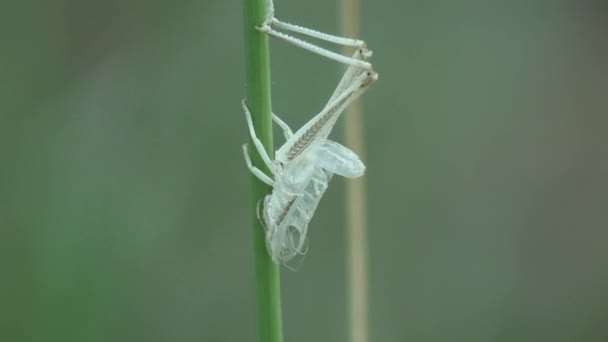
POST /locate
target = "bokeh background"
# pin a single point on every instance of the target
(125, 201)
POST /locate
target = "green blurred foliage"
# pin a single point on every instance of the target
(124, 199)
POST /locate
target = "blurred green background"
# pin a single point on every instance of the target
(125, 201)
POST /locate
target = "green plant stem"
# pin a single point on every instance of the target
(257, 68)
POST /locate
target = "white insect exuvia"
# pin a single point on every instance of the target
(270, 23)
(304, 165)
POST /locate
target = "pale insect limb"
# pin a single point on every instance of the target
(287, 132)
(269, 9)
(314, 48)
(347, 80)
(316, 34)
(350, 73)
(258, 144)
(256, 172)
(364, 80)
(348, 91)
(267, 27)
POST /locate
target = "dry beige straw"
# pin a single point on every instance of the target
(355, 202)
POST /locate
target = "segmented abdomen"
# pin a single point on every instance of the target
(287, 216)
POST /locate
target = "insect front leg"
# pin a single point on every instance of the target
(256, 172)
(258, 144)
(287, 132)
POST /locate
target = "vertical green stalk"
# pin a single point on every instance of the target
(257, 69)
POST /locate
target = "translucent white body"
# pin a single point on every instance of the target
(286, 215)
(304, 165)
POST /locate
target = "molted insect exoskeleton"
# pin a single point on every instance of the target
(304, 165)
